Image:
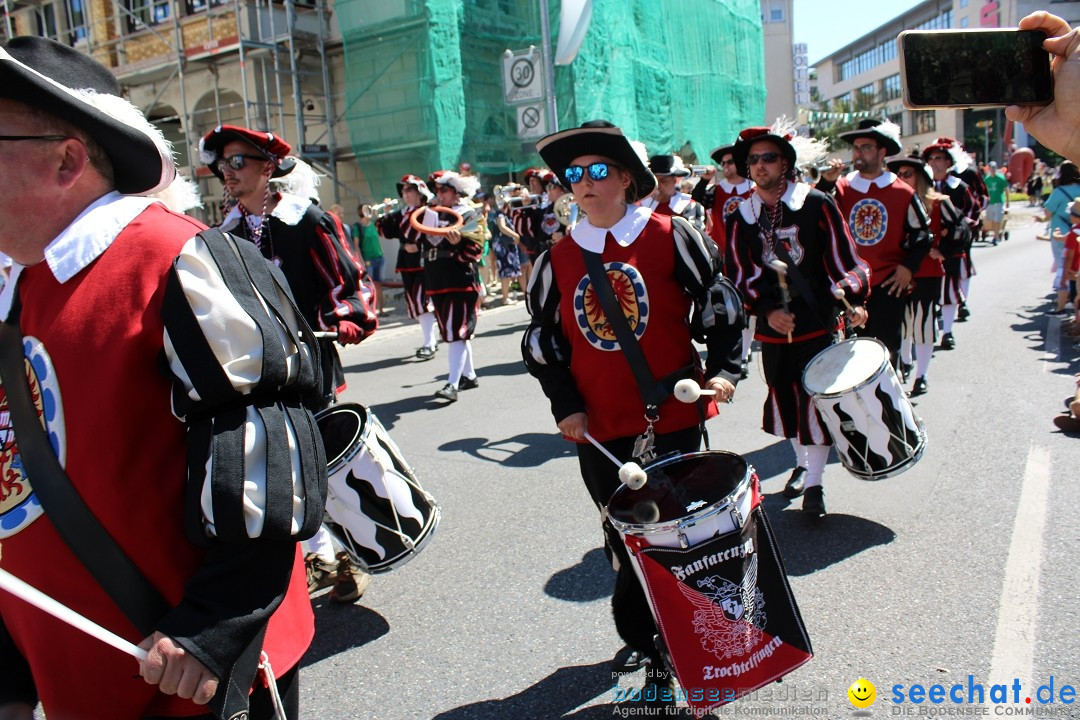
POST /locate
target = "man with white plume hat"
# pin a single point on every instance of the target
(888, 222)
(128, 339)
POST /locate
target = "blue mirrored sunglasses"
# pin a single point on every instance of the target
(597, 171)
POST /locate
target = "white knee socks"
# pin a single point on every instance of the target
(948, 317)
(469, 371)
(923, 352)
(816, 456)
(458, 352)
(905, 351)
(747, 342)
(427, 325)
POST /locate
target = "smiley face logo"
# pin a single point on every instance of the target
(862, 693)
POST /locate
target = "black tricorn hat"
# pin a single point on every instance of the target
(909, 161)
(885, 132)
(668, 165)
(74, 87)
(718, 154)
(596, 137)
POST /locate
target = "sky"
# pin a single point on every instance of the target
(828, 25)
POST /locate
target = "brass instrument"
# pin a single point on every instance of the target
(699, 170)
(814, 171)
(374, 212)
(506, 197)
(567, 210)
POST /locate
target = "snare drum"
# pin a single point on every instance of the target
(860, 399)
(706, 557)
(377, 509)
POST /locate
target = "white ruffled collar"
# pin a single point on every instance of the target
(794, 197)
(625, 232)
(740, 189)
(861, 184)
(290, 210)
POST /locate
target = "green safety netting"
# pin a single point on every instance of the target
(424, 79)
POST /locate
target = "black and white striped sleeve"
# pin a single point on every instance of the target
(718, 317)
(245, 371)
(544, 346)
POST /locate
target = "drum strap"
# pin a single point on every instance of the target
(801, 285)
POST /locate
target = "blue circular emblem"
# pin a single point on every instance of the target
(632, 296)
(731, 204)
(868, 221)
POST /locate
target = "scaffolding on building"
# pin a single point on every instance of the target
(278, 47)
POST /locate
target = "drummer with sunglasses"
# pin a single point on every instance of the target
(789, 221)
(667, 281)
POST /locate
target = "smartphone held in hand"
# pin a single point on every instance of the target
(974, 68)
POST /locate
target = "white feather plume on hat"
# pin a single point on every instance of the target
(301, 181)
(466, 185)
(808, 151)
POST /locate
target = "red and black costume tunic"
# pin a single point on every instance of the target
(396, 225)
(721, 199)
(450, 276)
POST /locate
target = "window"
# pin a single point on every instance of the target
(898, 118)
(963, 3)
(776, 15)
(76, 18)
(963, 22)
(46, 21)
(864, 97)
(868, 59)
(194, 6)
(923, 121)
(143, 13)
(890, 88)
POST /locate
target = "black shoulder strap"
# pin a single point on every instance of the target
(800, 283)
(84, 535)
(652, 392)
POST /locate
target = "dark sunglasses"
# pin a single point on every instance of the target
(905, 173)
(237, 162)
(768, 158)
(729, 161)
(597, 171)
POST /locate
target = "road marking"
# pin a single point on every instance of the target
(1018, 610)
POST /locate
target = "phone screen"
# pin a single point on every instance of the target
(982, 67)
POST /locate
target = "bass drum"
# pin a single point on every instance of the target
(375, 506)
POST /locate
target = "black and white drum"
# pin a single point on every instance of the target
(704, 552)
(865, 409)
(377, 509)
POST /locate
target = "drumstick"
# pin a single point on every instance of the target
(838, 293)
(630, 473)
(688, 391)
(327, 335)
(785, 296)
(40, 600)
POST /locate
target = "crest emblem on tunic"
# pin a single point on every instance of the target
(731, 204)
(631, 295)
(868, 221)
(19, 505)
(790, 237)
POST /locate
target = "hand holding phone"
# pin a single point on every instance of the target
(1055, 125)
(974, 68)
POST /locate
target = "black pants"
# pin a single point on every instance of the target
(885, 321)
(262, 707)
(633, 619)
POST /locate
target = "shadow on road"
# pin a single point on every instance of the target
(390, 413)
(527, 450)
(553, 697)
(340, 628)
(777, 460)
(589, 580)
(810, 545)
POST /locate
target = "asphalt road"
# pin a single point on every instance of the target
(964, 565)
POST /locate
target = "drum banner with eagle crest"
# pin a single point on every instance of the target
(725, 611)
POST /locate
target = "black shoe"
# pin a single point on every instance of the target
(963, 313)
(919, 388)
(906, 368)
(448, 392)
(743, 371)
(947, 342)
(468, 383)
(425, 353)
(795, 483)
(813, 502)
(628, 660)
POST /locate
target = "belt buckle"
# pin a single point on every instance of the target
(432, 254)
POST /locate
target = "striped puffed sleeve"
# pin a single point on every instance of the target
(342, 275)
(245, 371)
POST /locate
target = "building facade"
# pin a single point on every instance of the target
(863, 78)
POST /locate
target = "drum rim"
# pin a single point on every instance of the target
(687, 521)
(366, 415)
(854, 388)
(896, 469)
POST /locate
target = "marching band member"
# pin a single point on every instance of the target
(293, 232)
(792, 222)
(724, 195)
(887, 221)
(414, 193)
(571, 349)
(967, 170)
(667, 199)
(949, 233)
(119, 298)
(451, 279)
(942, 157)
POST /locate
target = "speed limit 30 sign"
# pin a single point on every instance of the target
(523, 76)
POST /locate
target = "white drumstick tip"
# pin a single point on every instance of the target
(778, 265)
(688, 391)
(632, 475)
(838, 293)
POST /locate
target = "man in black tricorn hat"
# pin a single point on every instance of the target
(667, 199)
(888, 222)
(167, 391)
(723, 196)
